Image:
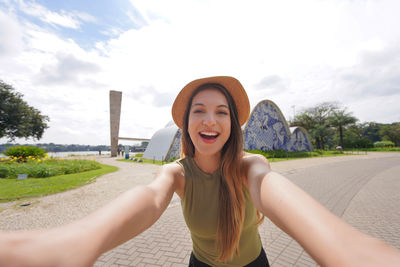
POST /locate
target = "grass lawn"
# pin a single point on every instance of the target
(13, 189)
(157, 162)
(272, 156)
(373, 149)
(279, 155)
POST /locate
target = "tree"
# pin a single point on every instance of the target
(391, 133)
(359, 136)
(17, 118)
(316, 121)
(370, 130)
(340, 118)
(322, 134)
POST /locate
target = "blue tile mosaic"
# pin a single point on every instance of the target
(267, 129)
(175, 150)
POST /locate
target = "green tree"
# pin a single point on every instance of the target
(370, 130)
(17, 118)
(340, 118)
(316, 121)
(356, 136)
(391, 132)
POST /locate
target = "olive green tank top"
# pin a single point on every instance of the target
(200, 210)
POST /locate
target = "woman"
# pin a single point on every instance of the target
(223, 190)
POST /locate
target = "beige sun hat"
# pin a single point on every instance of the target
(232, 85)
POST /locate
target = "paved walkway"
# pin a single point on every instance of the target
(363, 190)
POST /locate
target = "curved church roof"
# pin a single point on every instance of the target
(164, 144)
(267, 129)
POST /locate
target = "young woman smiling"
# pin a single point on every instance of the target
(224, 193)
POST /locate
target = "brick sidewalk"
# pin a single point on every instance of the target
(362, 191)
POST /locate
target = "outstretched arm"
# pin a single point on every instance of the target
(328, 239)
(81, 242)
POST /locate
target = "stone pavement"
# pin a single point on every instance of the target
(58, 209)
(363, 190)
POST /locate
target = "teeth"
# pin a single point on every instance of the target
(208, 133)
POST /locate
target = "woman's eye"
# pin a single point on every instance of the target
(197, 111)
(222, 112)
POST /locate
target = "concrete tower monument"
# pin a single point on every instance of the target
(115, 114)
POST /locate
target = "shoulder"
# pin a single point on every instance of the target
(254, 165)
(174, 171)
(249, 160)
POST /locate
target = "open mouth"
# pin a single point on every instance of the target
(209, 137)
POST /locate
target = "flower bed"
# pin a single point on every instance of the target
(43, 167)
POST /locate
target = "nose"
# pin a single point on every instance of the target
(209, 119)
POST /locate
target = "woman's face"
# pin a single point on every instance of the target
(209, 124)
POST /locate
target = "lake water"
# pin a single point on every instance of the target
(77, 153)
(74, 153)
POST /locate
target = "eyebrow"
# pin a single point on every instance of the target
(219, 106)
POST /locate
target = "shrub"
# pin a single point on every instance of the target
(46, 168)
(23, 152)
(384, 144)
(285, 154)
(3, 172)
(271, 154)
(363, 143)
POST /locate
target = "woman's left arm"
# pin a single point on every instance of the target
(328, 239)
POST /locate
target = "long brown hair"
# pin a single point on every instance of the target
(231, 197)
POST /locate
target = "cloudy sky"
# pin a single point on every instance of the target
(65, 57)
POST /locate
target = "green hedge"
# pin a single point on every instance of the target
(271, 154)
(384, 144)
(376, 149)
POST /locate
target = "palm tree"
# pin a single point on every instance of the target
(339, 119)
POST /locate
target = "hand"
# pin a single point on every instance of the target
(54, 247)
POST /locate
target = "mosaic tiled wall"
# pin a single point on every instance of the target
(299, 140)
(267, 129)
(175, 150)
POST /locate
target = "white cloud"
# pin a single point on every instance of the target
(291, 52)
(65, 19)
(111, 32)
(83, 16)
(10, 35)
(67, 69)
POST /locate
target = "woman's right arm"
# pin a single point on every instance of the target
(81, 242)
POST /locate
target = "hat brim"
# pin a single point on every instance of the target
(232, 85)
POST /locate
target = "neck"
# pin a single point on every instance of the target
(208, 163)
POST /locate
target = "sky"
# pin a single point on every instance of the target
(65, 57)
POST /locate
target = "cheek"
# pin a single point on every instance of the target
(227, 126)
(191, 127)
